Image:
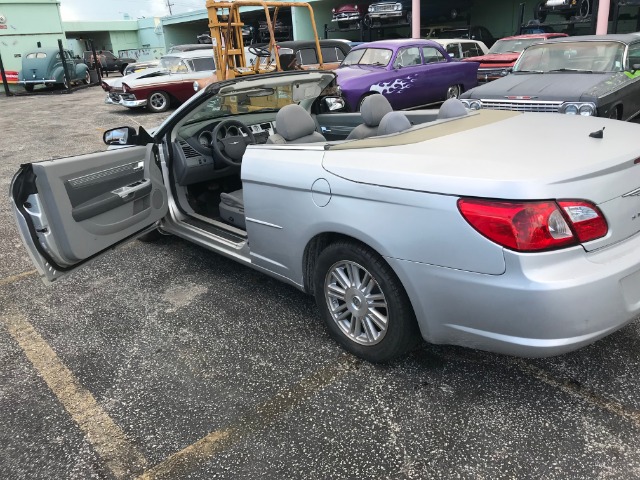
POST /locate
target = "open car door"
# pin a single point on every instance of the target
(70, 210)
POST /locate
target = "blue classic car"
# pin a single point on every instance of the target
(409, 72)
(44, 67)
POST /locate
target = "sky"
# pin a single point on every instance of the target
(92, 10)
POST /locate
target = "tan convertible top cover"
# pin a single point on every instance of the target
(429, 131)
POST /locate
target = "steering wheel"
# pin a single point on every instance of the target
(230, 149)
(259, 51)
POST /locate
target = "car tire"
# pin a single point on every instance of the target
(122, 69)
(87, 78)
(616, 113)
(454, 91)
(29, 87)
(584, 9)
(158, 102)
(65, 83)
(408, 17)
(539, 13)
(349, 276)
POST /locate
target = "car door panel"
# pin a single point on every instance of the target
(70, 210)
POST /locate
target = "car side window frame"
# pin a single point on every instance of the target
(458, 49)
(632, 47)
(402, 51)
(442, 58)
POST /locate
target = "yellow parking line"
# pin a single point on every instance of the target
(16, 277)
(108, 440)
(192, 457)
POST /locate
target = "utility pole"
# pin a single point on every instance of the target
(169, 4)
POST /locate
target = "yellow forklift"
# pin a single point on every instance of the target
(226, 25)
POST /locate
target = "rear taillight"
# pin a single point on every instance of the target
(534, 226)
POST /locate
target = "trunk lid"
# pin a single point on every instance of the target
(501, 155)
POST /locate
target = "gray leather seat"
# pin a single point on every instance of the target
(295, 125)
(232, 208)
(393, 122)
(452, 108)
(373, 108)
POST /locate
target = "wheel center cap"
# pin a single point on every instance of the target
(356, 302)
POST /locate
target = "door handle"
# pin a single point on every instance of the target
(124, 192)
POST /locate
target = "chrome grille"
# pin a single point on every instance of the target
(522, 105)
(384, 7)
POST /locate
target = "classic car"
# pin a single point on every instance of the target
(158, 88)
(108, 61)
(567, 8)
(400, 236)
(44, 67)
(501, 58)
(139, 66)
(410, 73)
(400, 11)
(472, 32)
(349, 14)
(460, 48)
(588, 75)
(282, 30)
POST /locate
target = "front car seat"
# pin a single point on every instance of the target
(373, 108)
(232, 209)
(295, 125)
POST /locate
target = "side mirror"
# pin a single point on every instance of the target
(120, 136)
(334, 104)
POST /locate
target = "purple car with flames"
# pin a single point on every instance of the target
(409, 72)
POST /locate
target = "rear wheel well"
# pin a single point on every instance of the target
(313, 250)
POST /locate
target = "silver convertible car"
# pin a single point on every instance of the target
(403, 225)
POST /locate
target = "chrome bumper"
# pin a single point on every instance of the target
(129, 101)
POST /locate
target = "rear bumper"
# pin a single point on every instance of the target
(544, 304)
(37, 82)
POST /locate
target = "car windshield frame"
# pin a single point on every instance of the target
(593, 56)
(509, 46)
(372, 56)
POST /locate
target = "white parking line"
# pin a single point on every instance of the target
(108, 440)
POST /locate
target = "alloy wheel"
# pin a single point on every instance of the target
(453, 92)
(356, 303)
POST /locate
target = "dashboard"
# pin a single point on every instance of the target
(194, 161)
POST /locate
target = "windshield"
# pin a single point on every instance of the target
(170, 63)
(513, 46)
(572, 56)
(368, 56)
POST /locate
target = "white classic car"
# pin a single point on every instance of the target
(157, 88)
(391, 220)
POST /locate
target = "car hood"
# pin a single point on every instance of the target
(348, 8)
(510, 57)
(547, 86)
(356, 71)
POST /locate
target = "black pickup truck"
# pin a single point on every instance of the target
(109, 62)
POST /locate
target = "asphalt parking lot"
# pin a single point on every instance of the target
(167, 361)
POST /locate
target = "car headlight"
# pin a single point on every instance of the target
(371, 9)
(587, 110)
(571, 109)
(196, 86)
(398, 6)
(472, 104)
(578, 108)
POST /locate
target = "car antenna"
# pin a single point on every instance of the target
(598, 133)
